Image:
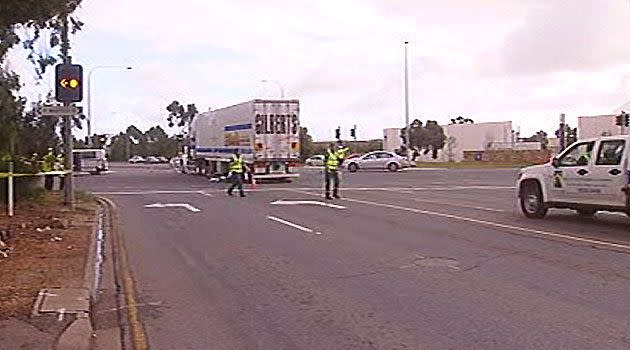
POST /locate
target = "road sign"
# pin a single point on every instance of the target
(69, 83)
(57, 111)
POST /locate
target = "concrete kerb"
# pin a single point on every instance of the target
(132, 329)
(80, 333)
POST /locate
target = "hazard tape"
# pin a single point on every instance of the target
(5, 175)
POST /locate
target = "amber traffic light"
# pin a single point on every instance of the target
(69, 83)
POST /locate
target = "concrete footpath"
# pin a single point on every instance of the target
(58, 323)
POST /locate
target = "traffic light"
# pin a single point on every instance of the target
(619, 120)
(338, 133)
(69, 83)
(353, 132)
(625, 118)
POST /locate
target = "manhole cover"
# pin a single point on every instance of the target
(437, 262)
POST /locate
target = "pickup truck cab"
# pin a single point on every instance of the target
(588, 176)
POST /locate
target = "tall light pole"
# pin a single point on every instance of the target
(407, 131)
(89, 97)
(278, 84)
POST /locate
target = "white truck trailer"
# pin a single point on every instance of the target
(265, 132)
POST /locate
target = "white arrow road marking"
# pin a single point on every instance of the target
(173, 205)
(322, 204)
(205, 194)
(288, 223)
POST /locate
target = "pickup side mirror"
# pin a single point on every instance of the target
(555, 162)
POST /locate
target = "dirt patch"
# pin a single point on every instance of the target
(47, 246)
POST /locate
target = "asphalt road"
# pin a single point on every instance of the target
(422, 259)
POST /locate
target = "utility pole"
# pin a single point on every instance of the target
(407, 131)
(68, 198)
(562, 133)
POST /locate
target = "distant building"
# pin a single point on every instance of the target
(599, 125)
(460, 138)
(475, 137)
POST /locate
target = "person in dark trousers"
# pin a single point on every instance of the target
(331, 165)
(237, 169)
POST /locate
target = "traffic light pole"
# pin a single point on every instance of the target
(562, 132)
(407, 129)
(68, 198)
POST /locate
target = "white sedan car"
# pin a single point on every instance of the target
(377, 160)
(316, 160)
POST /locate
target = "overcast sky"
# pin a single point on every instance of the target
(490, 60)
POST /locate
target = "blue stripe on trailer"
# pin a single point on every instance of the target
(238, 127)
(224, 150)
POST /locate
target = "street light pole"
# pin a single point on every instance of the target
(278, 84)
(407, 131)
(89, 97)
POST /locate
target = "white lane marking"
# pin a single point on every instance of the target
(455, 188)
(420, 169)
(450, 203)
(296, 226)
(144, 192)
(490, 223)
(459, 205)
(292, 202)
(271, 189)
(205, 194)
(173, 205)
(614, 213)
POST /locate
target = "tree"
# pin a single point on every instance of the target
(539, 136)
(180, 116)
(117, 150)
(22, 132)
(37, 133)
(429, 137)
(435, 137)
(11, 106)
(461, 120)
(153, 142)
(36, 16)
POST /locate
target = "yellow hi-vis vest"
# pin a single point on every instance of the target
(237, 164)
(332, 161)
(49, 162)
(341, 153)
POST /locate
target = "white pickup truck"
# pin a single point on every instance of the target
(590, 175)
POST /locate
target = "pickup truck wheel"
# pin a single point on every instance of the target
(352, 167)
(532, 203)
(393, 167)
(586, 213)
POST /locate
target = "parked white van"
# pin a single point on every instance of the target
(590, 175)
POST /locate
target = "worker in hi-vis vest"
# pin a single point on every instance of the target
(332, 161)
(237, 170)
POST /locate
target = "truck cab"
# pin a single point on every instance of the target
(589, 176)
